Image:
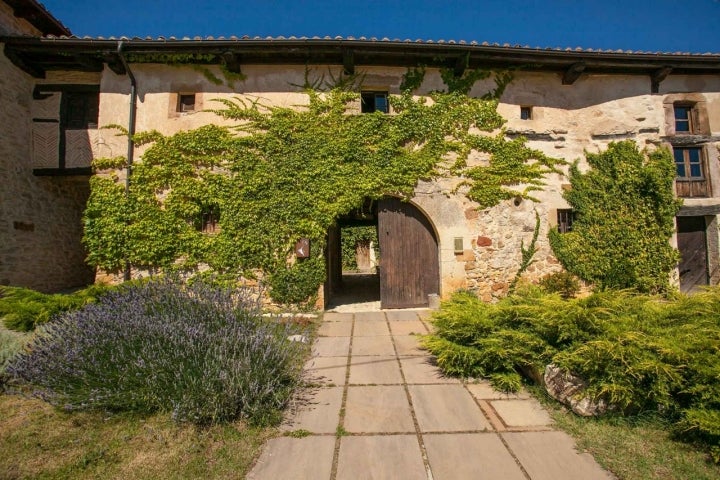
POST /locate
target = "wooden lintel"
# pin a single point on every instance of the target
(62, 172)
(573, 73)
(698, 210)
(231, 61)
(348, 62)
(19, 62)
(657, 77)
(90, 63)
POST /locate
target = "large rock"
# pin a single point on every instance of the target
(568, 389)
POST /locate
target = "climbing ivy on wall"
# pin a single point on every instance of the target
(351, 237)
(625, 210)
(288, 173)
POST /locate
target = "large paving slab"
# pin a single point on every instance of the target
(408, 345)
(369, 317)
(482, 390)
(446, 408)
(470, 456)
(337, 317)
(522, 413)
(552, 456)
(411, 327)
(335, 329)
(326, 370)
(377, 345)
(402, 315)
(331, 346)
(388, 457)
(420, 370)
(375, 370)
(316, 410)
(287, 458)
(378, 409)
(371, 328)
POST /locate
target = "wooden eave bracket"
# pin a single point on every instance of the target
(348, 61)
(231, 61)
(26, 67)
(573, 73)
(657, 77)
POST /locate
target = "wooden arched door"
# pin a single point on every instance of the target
(409, 269)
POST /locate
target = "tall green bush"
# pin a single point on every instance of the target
(625, 209)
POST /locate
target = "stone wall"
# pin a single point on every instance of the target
(40, 217)
(567, 121)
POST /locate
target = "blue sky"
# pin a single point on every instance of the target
(647, 25)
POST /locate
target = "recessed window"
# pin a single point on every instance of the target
(688, 163)
(683, 118)
(374, 102)
(525, 113)
(186, 102)
(209, 220)
(565, 218)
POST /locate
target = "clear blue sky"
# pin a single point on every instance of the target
(647, 25)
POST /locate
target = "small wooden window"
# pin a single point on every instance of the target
(525, 113)
(374, 102)
(209, 221)
(565, 218)
(186, 102)
(683, 118)
(688, 163)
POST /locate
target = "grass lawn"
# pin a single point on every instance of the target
(38, 441)
(633, 448)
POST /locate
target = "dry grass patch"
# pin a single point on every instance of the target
(634, 448)
(38, 441)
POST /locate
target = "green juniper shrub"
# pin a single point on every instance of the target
(638, 352)
(204, 354)
(22, 309)
(564, 283)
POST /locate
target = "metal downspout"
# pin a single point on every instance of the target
(131, 133)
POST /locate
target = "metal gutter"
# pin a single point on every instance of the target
(131, 133)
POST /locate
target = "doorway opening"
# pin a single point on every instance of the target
(382, 255)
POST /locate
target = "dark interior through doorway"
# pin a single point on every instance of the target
(353, 282)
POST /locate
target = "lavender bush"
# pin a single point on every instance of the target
(204, 354)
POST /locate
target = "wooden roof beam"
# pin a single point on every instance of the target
(348, 60)
(573, 73)
(231, 61)
(657, 77)
(114, 64)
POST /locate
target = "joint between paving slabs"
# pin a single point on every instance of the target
(418, 434)
(495, 421)
(341, 419)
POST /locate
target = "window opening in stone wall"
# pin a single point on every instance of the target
(565, 218)
(186, 102)
(525, 113)
(209, 220)
(683, 118)
(688, 163)
(374, 102)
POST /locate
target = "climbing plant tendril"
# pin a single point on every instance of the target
(287, 173)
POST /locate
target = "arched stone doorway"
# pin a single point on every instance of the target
(409, 268)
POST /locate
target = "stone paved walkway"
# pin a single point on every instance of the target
(381, 410)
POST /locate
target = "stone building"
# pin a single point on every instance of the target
(565, 102)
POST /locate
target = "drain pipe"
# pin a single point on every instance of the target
(131, 133)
